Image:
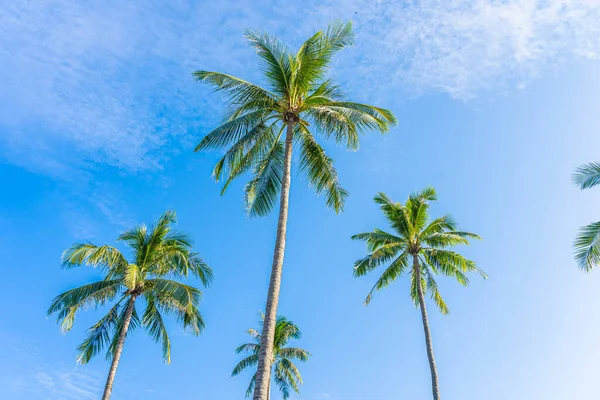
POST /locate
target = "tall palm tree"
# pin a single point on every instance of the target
(415, 239)
(285, 374)
(159, 255)
(297, 97)
(587, 243)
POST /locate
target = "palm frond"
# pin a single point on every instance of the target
(232, 130)
(67, 304)
(320, 172)
(377, 238)
(133, 325)
(294, 353)
(179, 300)
(105, 258)
(154, 323)
(261, 192)
(249, 361)
(587, 175)
(276, 60)
(390, 274)
(236, 90)
(99, 335)
(378, 257)
(587, 246)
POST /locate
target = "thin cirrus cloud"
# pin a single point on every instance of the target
(109, 84)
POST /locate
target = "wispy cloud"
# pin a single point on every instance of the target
(32, 377)
(466, 48)
(109, 83)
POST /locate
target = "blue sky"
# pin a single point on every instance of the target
(497, 101)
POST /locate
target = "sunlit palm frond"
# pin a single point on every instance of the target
(320, 172)
(391, 273)
(587, 247)
(276, 60)
(262, 191)
(67, 304)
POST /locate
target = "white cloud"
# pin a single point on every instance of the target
(465, 47)
(110, 84)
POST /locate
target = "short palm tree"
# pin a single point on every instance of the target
(416, 247)
(285, 374)
(157, 254)
(262, 127)
(587, 243)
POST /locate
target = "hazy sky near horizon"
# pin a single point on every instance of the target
(497, 102)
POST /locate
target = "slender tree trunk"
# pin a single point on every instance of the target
(434, 375)
(265, 357)
(269, 391)
(115, 361)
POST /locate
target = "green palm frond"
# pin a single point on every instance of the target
(425, 242)
(133, 325)
(390, 274)
(249, 361)
(276, 60)
(153, 321)
(99, 335)
(158, 252)
(320, 172)
(232, 130)
(432, 289)
(236, 90)
(587, 247)
(379, 256)
(377, 238)
(106, 258)
(294, 353)
(587, 176)
(180, 300)
(281, 379)
(296, 89)
(261, 192)
(67, 304)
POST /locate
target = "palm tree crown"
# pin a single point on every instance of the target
(158, 253)
(415, 238)
(297, 95)
(414, 235)
(587, 243)
(285, 374)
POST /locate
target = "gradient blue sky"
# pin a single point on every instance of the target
(498, 102)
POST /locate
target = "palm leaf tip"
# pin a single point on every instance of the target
(587, 247)
(587, 175)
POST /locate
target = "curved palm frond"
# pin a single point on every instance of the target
(276, 60)
(106, 258)
(262, 191)
(180, 300)
(67, 304)
(99, 335)
(390, 274)
(153, 321)
(320, 172)
(587, 175)
(587, 247)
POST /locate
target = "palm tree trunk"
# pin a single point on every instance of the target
(269, 391)
(115, 361)
(432, 367)
(265, 357)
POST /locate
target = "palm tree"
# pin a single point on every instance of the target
(157, 254)
(587, 243)
(425, 243)
(285, 373)
(297, 96)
